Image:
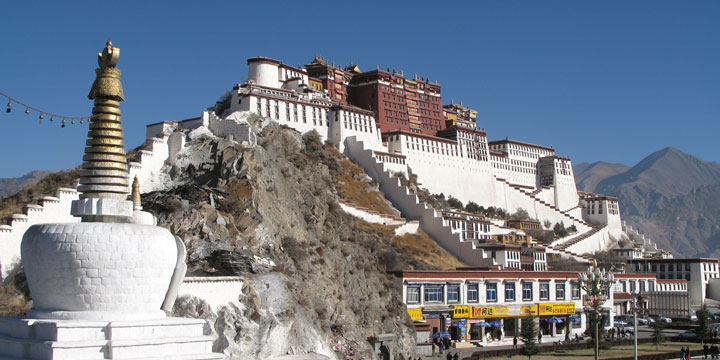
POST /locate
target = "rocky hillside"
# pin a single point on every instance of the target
(317, 277)
(669, 195)
(10, 186)
(587, 175)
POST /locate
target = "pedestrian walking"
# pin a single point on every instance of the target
(515, 342)
(455, 357)
(706, 350)
(687, 353)
(682, 353)
(540, 337)
(449, 356)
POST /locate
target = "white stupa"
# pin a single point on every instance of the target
(101, 287)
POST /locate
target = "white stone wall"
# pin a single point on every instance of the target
(216, 291)
(344, 122)
(370, 216)
(51, 210)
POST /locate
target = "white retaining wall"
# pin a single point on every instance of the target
(216, 291)
(51, 209)
(412, 209)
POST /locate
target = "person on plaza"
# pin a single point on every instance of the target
(687, 353)
(455, 357)
(447, 343)
(706, 350)
(682, 353)
(515, 342)
(449, 356)
(577, 338)
(433, 346)
(567, 336)
(539, 337)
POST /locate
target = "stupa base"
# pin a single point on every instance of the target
(176, 338)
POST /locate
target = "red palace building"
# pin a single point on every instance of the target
(399, 103)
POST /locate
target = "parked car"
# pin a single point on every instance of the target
(642, 320)
(665, 319)
(687, 334)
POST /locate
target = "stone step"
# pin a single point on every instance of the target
(177, 338)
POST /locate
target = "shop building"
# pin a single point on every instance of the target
(697, 271)
(487, 306)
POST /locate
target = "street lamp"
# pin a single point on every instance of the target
(596, 283)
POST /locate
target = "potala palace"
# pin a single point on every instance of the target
(395, 128)
(390, 124)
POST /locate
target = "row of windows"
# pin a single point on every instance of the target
(435, 293)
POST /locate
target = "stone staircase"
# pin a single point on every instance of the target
(574, 240)
(413, 209)
(573, 220)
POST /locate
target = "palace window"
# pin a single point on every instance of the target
(434, 293)
(472, 293)
(544, 291)
(413, 294)
(560, 291)
(491, 292)
(527, 291)
(510, 291)
(575, 288)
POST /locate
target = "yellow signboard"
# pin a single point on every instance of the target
(462, 312)
(415, 314)
(529, 310)
(480, 312)
(557, 309)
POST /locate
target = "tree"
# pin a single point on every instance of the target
(547, 224)
(455, 203)
(520, 214)
(528, 335)
(474, 208)
(559, 230)
(657, 336)
(703, 331)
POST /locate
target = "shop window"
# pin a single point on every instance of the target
(472, 293)
(527, 291)
(433, 294)
(510, 291)
(544, 291)
(413, 294)
(560, 291)
(491, 292)
(453, 293)
(575, 290)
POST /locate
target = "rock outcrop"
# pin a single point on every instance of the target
(316, 278)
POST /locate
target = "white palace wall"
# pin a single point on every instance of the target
(51, 209)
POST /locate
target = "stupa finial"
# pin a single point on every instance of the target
(105, 169)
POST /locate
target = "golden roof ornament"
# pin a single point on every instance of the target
(105, 169)
(137, 204)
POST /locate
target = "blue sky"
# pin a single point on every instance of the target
(611, 80)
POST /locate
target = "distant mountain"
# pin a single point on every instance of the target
(587, 175)
(10, 186)
(670, 196)
(664, 174)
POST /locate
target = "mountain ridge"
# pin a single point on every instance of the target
(669, 195)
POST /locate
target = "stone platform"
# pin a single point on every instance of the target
(170, 338)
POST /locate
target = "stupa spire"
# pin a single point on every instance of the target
(105, 169)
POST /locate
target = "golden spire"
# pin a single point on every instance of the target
(136, 194)
(105, 170)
